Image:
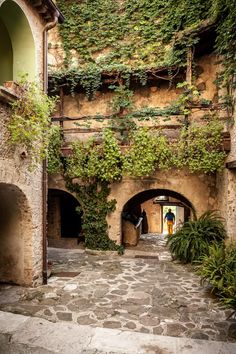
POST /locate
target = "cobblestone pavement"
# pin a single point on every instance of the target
(143, 291)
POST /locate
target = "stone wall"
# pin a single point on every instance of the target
(199, 190)
(202, 191)
(226, 185)
(26, 188)
(22, 251)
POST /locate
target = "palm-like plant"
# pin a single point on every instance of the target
(193, 238)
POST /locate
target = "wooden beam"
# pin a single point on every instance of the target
(189, 71)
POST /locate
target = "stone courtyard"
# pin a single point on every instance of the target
(142, 291)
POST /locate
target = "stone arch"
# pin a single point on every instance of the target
(17, 47)
(199, 190)
(158, 199)
(15, 236)
(64, 223)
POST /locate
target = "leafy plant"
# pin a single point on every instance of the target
(92, 161)
(141, 158)
(30, 121)
(192, 240)
(54, 150)
(95, 208)
(122, 99)
(188, 97)
(203, 144)
(218, 268)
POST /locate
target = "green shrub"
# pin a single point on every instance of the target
(193, 238)
(219, 269)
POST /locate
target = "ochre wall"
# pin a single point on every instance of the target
(205, 192)
(199, 190)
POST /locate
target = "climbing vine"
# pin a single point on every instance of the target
(134, 36)
(30, 121)
(116, 44)
(94, 208)
(55, 164)
(199, 148)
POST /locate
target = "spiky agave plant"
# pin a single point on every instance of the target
(193, 238)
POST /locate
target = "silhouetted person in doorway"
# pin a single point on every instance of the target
(170, 218)
(144, 222)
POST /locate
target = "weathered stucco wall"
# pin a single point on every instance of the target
(226, 185)
(204, 191)
(199, 190)
(15, 176)
(160, 94)
(24, 249)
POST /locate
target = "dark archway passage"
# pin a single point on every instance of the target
(154, 202)
(15, 236)
(64, 222)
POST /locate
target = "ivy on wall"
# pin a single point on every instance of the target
(92, 167)
(128, 39)
(130, 32)
(94, 208)
(199, 148)
(133, 36)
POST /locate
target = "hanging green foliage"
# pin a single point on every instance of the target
(199, 148)
(92, 161)
(132, 36)
(94, 208)
(203, 150)
(130, 32)
(29, 125)
(147, 153)
(54, 150)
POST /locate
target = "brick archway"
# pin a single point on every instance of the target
(15, 236)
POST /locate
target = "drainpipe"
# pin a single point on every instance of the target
(48, 26)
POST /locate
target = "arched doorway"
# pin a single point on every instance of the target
(155, 203)
(17, 49)
(64, 222)
(15, 236)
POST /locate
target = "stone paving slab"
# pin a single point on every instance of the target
(148, 295)
(38, 336)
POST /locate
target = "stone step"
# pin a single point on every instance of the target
(26, 335)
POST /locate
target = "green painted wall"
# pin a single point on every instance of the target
(21, 37)
(6, 55)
